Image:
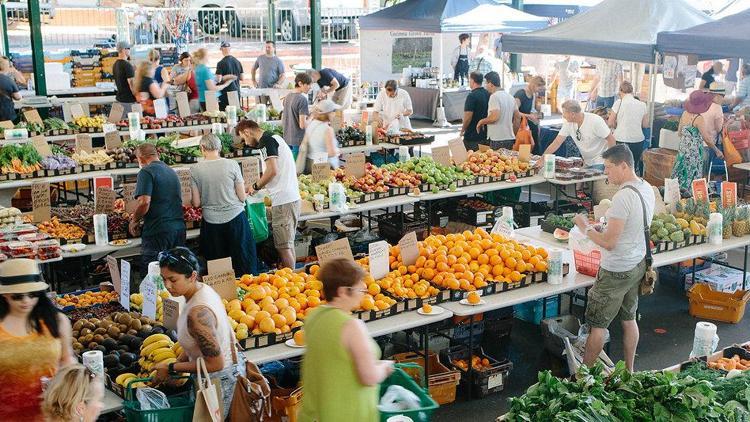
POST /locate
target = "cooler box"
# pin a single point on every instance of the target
(719, 278)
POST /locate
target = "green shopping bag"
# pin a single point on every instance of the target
(256, 216)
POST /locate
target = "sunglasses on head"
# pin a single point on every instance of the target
(166, 258)
(356, 289)
(17, 297)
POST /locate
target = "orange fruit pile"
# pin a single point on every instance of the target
(273, 302)
(400, 282)
(470, 260)
(87, 299)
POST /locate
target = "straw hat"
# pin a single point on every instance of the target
(717, 88)
(21, 276)
(327, 106)
(699, 102)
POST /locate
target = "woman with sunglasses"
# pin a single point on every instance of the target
(75, 394)
(341, 361)
(203, 328)
(35, 340)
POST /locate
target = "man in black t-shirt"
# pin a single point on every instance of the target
(8, 93)
(331, 81)
(475, 109)
(124, 73)
(229, 65)
(710, 76)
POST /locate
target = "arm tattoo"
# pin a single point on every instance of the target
(201, 325)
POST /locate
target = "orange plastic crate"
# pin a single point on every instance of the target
(719, 306)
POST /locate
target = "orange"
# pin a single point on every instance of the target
(495, 259)
(279, 320)
(299, 338)
(282, 303)
(429, 273)
(510, 262)
(464, 284)
(271, 309)
(402, 269)
(525, 254)
(429, 264)
(267, 325)
(451, 259)
(473, 298)
(534, 260)
(541, 266)
(313, 302)
(542, 252)
(504, 254)
(473, 266)
(257, 293)
(483, 259)
(411, 269)
(459, 268)
(289, 314)
(475, 252)
(515, 276)
(373, 289)
(442, 267)
(497, 270)
(453, 284)
(248, 320)
(530, 267)
(427, 308)
(420, 262)
(381, 305)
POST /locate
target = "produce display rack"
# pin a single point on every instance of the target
(374, 315)
(421, 140)
(264, 340)
(664, 246)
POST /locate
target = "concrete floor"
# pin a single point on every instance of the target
(666, 309)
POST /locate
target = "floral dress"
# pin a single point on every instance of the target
(689, 163)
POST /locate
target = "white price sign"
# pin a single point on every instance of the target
(378, 252)
(495, 380)
(149, 298)
(125, 284)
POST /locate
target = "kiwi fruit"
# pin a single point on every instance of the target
(98, 338)
(147, 328)
(84, 332)
(78, 325)
(89, 325)
(75, 334)
(132, 332)
(100, 330)
(93, 345)
(88, 338)
(124, 319)
(113, 331)
(77, 346)
(123, 327)
(136, 324)
(145, 320)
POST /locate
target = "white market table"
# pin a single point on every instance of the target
(536, 233)
(134, 243)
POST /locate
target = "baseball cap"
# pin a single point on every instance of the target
(327, 106)
(225, 44)
(123, 45)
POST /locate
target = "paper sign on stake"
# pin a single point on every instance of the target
(171, 313)
(378, 253)
(220, 265)
(221, 278)
(160, 108)
(333, 250)
(212, 102)
(183, 104)
(128, 195)
(700, 190)
(233, 99)
(6, 124)
(671, 191)
(524, 153)
(659, 206)
(41, 146)
(83, 143)
(355, 165)
(32, 116)
(40, 202)
(149, 297)
(115, 113)
(105, 200)
(76, 110)
(442, 155)
(458, 150)
(125, 284)
(321, 172)
(250, 170)
(112, 140)
(409, 249)
(114, 272)
(186, 185)
(728, 194)
(137, 108)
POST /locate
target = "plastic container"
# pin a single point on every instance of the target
(400, 377)
(48, 246)
(442, 380)
(25, 229)
(718, 306)
(33, 237)
(485, 382)
(20, 249)
(532, 311)
(587, 264)
(715, 228)
(181, 407)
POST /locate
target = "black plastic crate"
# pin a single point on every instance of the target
(485, 382)
(393, 227)
(468, 212)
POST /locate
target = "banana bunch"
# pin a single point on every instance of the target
(124, 379)
(157, 348)
(97, 158)
(136, 303)
(92, 122)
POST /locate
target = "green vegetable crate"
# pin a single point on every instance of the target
(181, 406)
(400, 377)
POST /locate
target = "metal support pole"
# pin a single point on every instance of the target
(744, 269)
(315, 35)
(652, 94)
(6, 42)
(515, 59)
(37, 47)
(271, 36)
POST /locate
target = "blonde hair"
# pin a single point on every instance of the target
(4, 64)
(323, 117)
(538, 80)
(200, 55)
(71, 386)
(143, 69)
(154, 55)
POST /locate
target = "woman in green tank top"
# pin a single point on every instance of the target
(340, 370)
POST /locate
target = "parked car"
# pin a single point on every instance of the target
(292, 16)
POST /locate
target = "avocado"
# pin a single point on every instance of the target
(111, 361)
(127, 359)
(110, 344)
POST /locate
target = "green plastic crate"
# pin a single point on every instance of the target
(400, 377)
(181, 407)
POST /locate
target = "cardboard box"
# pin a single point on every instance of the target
(719, 277)
(658, 164)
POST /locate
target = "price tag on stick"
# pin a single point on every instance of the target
(112, 140)
(149, 298)
(171, 310)
(378, 253)
(183, 104)
(321, 172)
(250, 170)
(186, 184)
(83, 143)
(409, 248)
(233, 99)
(212, 102)
(524, 153)
(116, 113)
(728, 194)
(332, 250)
(355, 164)
(41, 146)
(32, 116)
(442, 155)
(41, 202)
(114, 272)
(125, 284)
(105, 200)
(76, 110)
(221, 278)
(458, 150)
(128, 195)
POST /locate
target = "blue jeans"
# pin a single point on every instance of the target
(232, 239)
(605, 101)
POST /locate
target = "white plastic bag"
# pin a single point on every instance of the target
(578, 241)
(583, 334)
(398, 399)
(151, 399)
(337, 197)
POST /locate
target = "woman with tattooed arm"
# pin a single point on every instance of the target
(203, 328)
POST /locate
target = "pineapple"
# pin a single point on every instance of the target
(728, 217)
(740, 225)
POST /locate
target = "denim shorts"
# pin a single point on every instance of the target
(228, 377)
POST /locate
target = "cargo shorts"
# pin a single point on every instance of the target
(614, 295)
(284, 224)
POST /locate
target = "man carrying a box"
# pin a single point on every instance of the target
(623, 261)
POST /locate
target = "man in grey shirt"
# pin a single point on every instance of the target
(271, 68)
(294, 117)
(218, 187)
